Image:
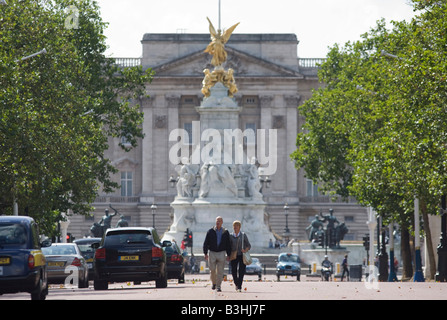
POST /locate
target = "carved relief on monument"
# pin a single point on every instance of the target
(278, 122)
(292, 101)
(160, 122)
(266, 101)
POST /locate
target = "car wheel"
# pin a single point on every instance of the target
(162, 281)
(100, 285)
(39, 293)
(83, 283)
(181, 279)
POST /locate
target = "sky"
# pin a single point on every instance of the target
(318, 24)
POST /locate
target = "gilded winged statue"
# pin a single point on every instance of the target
(217, 44)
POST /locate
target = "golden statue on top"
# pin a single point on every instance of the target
(217, 45)
(217, 49)
(219, 75)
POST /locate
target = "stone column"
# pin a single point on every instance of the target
(147, 146)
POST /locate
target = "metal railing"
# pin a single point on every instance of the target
(328, 199)
(302, 62)
(310, 62)
(127, 62)
(116, 199)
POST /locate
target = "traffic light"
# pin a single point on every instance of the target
(70, 238)
(190, 239)
(187, 238)
(320, 239)
(366, 242)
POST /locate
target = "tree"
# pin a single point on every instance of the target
(58, 109)
(376, 129)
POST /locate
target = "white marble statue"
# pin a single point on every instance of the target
(187, 178)
(216, 175)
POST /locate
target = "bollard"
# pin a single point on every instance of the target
(202, 266)
(314, 268)
(337, 268)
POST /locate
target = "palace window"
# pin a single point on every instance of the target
(126, 183)
(250, 101)
(250, 126)
(311, 189)
(187, 139)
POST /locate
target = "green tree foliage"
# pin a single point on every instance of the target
(376, 128)
(58, 109)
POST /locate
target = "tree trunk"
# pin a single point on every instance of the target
(405, 249)
(430, 274)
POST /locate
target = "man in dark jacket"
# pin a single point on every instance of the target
(217, 243)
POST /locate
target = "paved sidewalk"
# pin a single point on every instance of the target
(311, 289)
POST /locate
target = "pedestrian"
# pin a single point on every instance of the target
(217, 243)
(239, 245)
(396, 265)
(344, 264)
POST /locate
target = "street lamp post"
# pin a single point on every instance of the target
(154, 209)
(441, 274)
(286, 230)
(172, 181)
(371, 226)
(418, 275)
(392, 276)
(383, 256)
(265, 183)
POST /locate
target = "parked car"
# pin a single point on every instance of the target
(22, 263)
(254, 268)
(175, 261)
(65, 262)
(130, 254)
(88, 252)
(288, 264)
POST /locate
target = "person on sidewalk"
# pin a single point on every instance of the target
(239, 244)
(217, 243)
(344, 265)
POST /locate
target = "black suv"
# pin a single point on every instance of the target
(130, 254)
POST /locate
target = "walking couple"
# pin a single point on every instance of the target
(219, 241)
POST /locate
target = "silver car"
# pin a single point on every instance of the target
(65, 264)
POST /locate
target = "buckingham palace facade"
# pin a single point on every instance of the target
(272, 82)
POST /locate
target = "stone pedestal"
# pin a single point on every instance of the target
(199, 215)
(310, 256)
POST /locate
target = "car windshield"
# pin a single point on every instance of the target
(170, 249)
(86, 248)
(59, 250)
(289, 258)
(12, 234)
(118, 238)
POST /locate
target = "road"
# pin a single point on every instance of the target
(197, 287)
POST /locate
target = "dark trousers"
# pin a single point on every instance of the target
(345, 269)
(238, 271)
